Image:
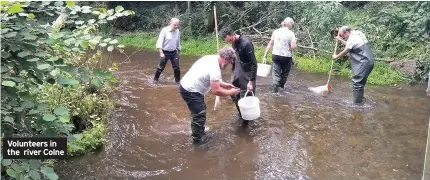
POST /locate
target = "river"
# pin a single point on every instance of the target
(300, 135)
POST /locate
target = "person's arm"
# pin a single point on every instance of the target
(349, 44)
(293, 41)
(226, 85)
(249, 49)
(159, 44)
(269, 46)
(341, 54)
(339, 39)
(220, 91)
(178, 45)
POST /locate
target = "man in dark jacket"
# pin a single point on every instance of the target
(361, 57)
(244, 69)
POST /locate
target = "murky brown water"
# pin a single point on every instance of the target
(300, 135)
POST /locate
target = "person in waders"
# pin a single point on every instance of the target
(283, 40)
(169, 47)
(428, 86)
(204, 76)
(361, 57)
(244, 69)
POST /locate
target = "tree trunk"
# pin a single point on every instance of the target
(211, 23)
(189, 14)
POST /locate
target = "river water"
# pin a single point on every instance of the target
(300, 135)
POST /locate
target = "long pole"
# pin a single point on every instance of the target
(217, 98)
(426, 171)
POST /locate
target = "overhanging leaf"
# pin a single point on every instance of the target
(31, 16)
(84, 44)
(34, 174)
(8, 119)
(12, 173)
(27, 104)
(10, 34)
(43, 66)
(61, 111)
(54, 72)
(4, 69)
(67, 81)
(70, 4)
(119, 9)
(6, 162)
(97, 82)
(48, 117)
(23, 54)
(33, 60)
(113, 41)
(52, 59)
(49, 173)
(16, 8)
(8, 83)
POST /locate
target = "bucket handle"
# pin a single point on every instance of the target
(247, 93)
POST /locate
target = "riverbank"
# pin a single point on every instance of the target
(382, 74)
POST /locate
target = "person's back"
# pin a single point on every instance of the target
(198, 77)
(282, 42)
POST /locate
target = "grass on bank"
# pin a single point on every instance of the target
(382, 73)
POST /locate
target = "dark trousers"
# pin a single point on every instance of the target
(280, 70)
(196, 104)
(359, 80)
(174, 59)
(241, 95)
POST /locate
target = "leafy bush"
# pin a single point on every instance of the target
(46, 73)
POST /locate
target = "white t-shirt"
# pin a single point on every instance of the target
(356, 39)
(198, 77)
(282, 38)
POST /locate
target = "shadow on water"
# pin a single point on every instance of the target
(300, 135)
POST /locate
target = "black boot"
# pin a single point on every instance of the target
(157, 75)
(177, 73)
(358, 97)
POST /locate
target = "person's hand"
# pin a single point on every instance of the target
(250, 86)
(334, 57)
(234, 91)
(339, 39)
(162, 55)
(228, 86)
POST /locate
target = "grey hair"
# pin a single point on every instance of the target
(227, 53)
(345, 29)
(288, 22)
(174, 20)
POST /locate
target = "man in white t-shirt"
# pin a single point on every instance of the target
(361, 58)
(283, 41)
(204, 76)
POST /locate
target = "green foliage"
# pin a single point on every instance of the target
(47, 73)
(88, 140)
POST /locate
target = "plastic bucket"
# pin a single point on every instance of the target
(249, 107)
(263, 70)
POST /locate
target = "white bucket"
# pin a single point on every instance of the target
(249, 107)
(263, 69)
